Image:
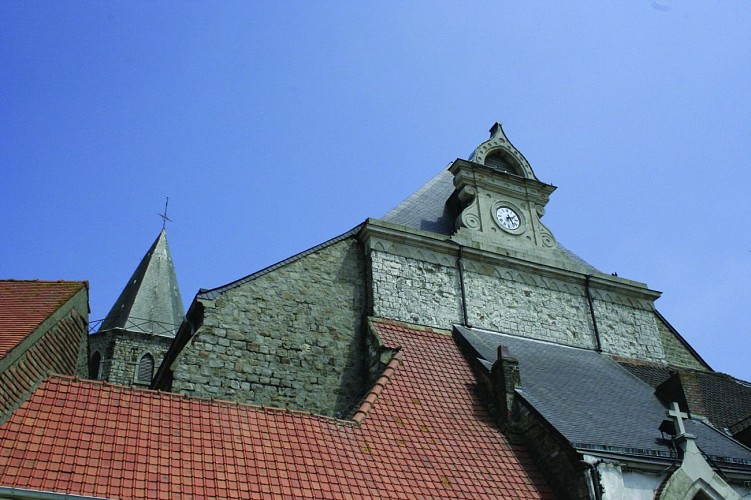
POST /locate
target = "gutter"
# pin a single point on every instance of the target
(7, 492)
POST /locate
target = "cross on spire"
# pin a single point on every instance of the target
(164, 215)
(677, 415)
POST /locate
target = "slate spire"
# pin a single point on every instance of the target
(150, 301)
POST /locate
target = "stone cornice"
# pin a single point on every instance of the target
(474, 174)
(379, 235)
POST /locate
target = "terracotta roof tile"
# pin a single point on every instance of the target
(24, 305)
(425, 435)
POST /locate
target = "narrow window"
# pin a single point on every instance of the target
(96, 361)
(145, 369)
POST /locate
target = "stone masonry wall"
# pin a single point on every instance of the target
(676, 353)
(528, 310)
(102, 343)
(411, 290)
(415, 291)
(628, 331)
(121, 352)
(288, 338)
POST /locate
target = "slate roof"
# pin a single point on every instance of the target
(24, 305)
(150, 302)
(427, 209)
(594, 402)
(423, 433)
(723, 399)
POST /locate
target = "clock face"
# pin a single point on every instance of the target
(507, 218)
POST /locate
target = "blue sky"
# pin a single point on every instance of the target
(275, 126)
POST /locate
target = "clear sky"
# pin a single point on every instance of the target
(275, 126)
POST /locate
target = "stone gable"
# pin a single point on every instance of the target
(289, 338)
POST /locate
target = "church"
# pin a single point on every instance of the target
(449, 349)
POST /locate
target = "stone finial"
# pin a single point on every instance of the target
(695, 475)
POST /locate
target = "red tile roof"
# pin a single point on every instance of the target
(24, 305)
(425, 434)
(56, 351)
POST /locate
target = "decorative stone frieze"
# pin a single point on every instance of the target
(415, 279)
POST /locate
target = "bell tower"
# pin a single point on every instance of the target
(500, 200)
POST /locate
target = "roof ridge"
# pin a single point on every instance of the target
(212, 293)
(531, 339)
(416, 194)
(37, 280)
(410, 326)
(378, 387)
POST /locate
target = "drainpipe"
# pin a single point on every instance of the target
(593, 481)
(592, 313)
(460, 266)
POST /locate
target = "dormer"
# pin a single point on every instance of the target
(499, 154)
(500, 198)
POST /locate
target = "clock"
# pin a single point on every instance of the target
(508, 218)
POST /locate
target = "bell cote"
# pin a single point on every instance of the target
(500, 200)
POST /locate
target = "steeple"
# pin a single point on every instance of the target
(151, 301)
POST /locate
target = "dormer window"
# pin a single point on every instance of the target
(501, 161)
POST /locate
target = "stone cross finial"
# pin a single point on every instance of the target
(677, 415)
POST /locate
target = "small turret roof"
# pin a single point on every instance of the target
(150, 301)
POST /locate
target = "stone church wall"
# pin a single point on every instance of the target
(628, 331)
(676, 353)
(528, 310)
(415, 291)
(512, 301)
(288, 338)
(122, 350)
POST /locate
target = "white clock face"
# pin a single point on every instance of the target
(507, 218)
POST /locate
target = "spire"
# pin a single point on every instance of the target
(150, 301)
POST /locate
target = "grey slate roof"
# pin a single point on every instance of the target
(724, 399)
(594, 402)
(150, 301)
(427, 209)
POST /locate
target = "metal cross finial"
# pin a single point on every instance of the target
(677, 416)
(164, 215)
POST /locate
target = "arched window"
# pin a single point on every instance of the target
(95, 364)
(145, 369)
(500, 161)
